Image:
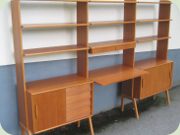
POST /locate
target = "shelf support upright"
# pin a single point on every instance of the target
(129, 54)
(82, 39)
(20, 68)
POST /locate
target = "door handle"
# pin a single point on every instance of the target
(142, 83)
(36, 111)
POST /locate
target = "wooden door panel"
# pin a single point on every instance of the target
(158, 80)
(49, 109)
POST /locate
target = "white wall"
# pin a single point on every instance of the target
(50, 12)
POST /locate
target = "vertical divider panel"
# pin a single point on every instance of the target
(163, 31)
(20, 71)
(129, 32)
(82, 39)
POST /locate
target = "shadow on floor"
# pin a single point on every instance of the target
(104, 119)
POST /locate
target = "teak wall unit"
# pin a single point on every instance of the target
(53, 102)
(50, 103)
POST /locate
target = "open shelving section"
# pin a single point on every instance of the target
(69, 98)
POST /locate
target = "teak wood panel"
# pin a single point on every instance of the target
(158, 79)
(47, 110)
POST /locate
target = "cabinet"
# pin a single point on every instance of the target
(58, 107)
(158, 79)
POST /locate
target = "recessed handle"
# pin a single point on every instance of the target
(142, 82)
(36, 111)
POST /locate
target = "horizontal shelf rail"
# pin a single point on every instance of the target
(51, 50)
(150, 38)
(55, 25)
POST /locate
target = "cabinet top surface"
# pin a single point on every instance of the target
(150, 63)
(57, 83)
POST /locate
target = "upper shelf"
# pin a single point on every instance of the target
(150, 38)
(57, 83)
(95, 23)
(109, 75)
(152, 20)
(123, 1)
(107, 46)
(46, 26)
(101, 23)
(51, 50)
(106, 1)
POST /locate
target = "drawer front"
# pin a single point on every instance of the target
(158, 80)
(48, 110)
(78, 102)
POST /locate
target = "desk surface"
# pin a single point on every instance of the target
(114, 74)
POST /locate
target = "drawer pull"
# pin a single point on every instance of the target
(142, 83)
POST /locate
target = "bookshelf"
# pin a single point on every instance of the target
(54, 102)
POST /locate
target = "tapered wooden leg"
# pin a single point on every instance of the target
(167, 97)
(29, 133)
(136, 108)
(91, 126)
(122, 103)
(79, 124)
(23, 131)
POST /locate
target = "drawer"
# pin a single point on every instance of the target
(78, 102)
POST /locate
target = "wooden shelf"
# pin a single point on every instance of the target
(151, 62)
(151, 2)
(100, 47)
(102, 23)
(111, 1)
(150, 38)
(55, 0)
(152, 20)
(51, 50)
(114, 74)
(57, 83)
(47, 26)
(122, 1)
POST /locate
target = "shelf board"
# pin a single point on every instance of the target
(152, 20)
(56, 83)
(150, 38)
(123, 1)
(102, 23)
(111, 1)
(51, 50)
(55, 25)
(150, 63)
(54, 0)
(107, 46)
(114, 74)
(154, 2)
